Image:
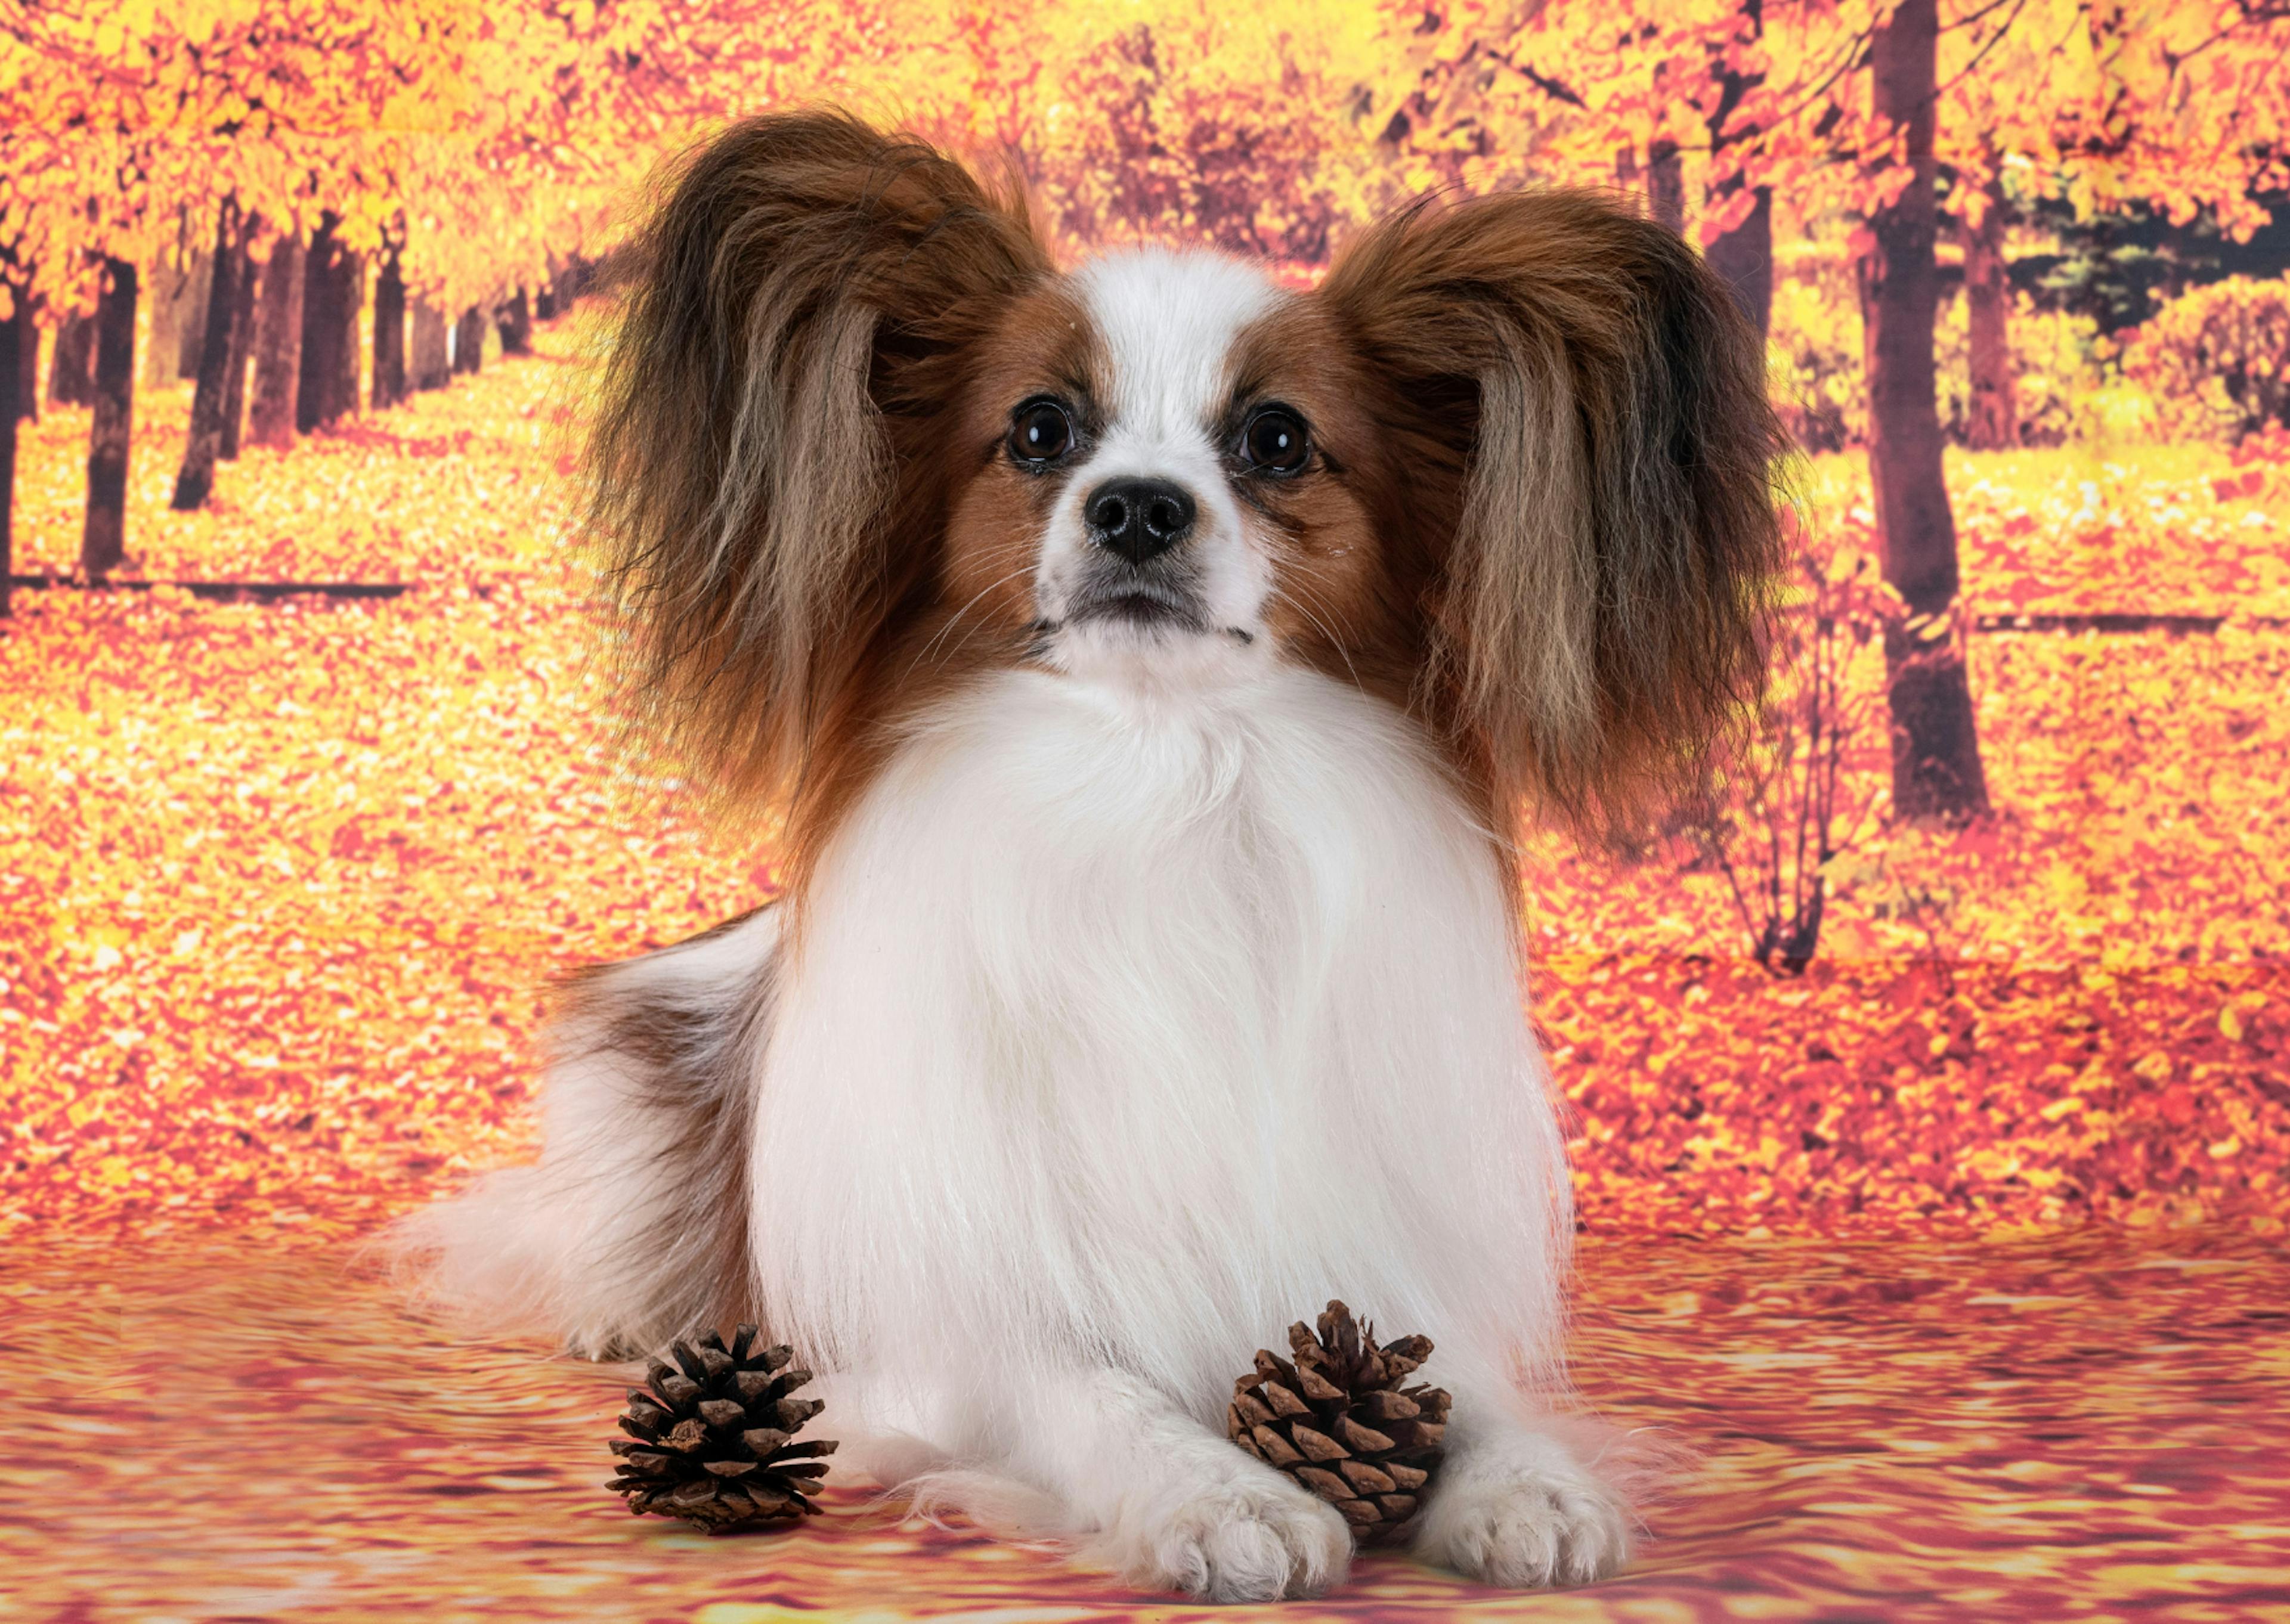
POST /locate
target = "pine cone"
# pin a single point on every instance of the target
(710, 1442)
(1338, 1422)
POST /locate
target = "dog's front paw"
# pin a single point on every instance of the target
(1525, 1523)
(1255, 1539)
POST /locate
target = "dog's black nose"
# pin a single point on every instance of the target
(1139, 518)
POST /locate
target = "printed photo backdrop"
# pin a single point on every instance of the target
(1929, 1123)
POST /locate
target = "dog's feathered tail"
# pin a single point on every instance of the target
(632, 1226)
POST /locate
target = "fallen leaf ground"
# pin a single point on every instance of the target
(2082, 1428)
(1956, 1259)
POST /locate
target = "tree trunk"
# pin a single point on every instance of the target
(322, 328)
(1936, 771)
(1743, 260)
(103, 540)
(28, 371)
(515, 319)
(277, 345)
(14, 333)
(195, 478)
(349, 272)
(469, 341)
(1991, 417)
(191, 316)
(331, 282)
(71, 370)
(1743, 257)
(389, 334)
(242, 342)
(571, 280)
(1666, 185)
(433, 368)
(172, 290)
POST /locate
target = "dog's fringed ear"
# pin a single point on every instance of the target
(1580, 414)
(776, 369)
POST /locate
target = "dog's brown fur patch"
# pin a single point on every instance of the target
(770, 466)
(689, 1050)
(972, 610)
(1344, 597)
(1577, 418)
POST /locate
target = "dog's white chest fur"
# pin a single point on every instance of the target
(1127, 1030)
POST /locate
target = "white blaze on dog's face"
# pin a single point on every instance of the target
(1148, 552)
(1166, 475)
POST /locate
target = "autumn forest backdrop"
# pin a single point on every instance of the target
(305, 787)
(1929, 1079)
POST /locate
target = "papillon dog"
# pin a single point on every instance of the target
(1147, 665)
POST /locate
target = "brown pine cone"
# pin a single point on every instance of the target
(1338, 1422)
(711, 1440)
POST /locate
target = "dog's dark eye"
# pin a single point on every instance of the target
(1275, 442)
(1040, 432)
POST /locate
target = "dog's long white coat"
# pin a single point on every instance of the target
(1123, 1028)
(1148, 1000)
